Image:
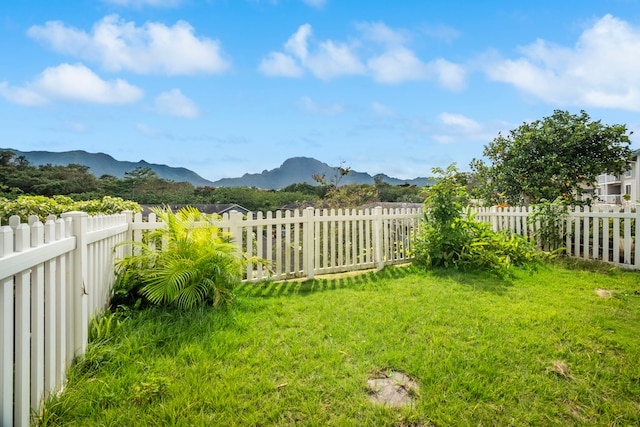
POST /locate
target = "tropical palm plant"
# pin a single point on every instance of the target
(189, 262)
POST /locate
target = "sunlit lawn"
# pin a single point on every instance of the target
(542, 349)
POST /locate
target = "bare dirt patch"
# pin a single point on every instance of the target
(392, 389)
(603, 293)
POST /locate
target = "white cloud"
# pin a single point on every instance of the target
(298, 42)
(174, 103)
(600, 70)
(389, 62)
(460, 122)
(397, 65)
(71, 83)
(451, 76)
(152, 48)
(333, 60)
(309, 106)
(141, 3)
(280, 64)
(21, 95)
(380, 33)
(327, 61)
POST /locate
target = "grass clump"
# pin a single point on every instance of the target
(538, 349)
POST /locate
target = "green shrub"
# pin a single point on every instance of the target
(451, 239)
(549, 219)
(188, 263)
(42, 206)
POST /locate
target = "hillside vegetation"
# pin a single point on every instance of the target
(18, 177)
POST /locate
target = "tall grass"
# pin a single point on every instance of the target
(540, 349)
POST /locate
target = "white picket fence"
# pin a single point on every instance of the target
(53, 278)
(313, 241)
(604, 233)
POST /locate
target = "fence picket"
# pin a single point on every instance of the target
(6, 333)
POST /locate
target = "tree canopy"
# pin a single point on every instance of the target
(558, 156)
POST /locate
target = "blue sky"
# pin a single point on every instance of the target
(224, 87)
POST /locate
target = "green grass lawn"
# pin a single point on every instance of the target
(541, 349)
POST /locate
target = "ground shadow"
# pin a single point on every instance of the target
(479, 280)
(366, 280)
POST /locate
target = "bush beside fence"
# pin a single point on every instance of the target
(602, 233)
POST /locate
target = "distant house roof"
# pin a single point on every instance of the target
(214, 208)
(299, 205)
(392, 205)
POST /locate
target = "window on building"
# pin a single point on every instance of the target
(627, 189)
(628, 173)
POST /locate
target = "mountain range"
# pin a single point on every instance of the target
(293, 170)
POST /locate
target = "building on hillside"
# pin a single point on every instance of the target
(620, 189)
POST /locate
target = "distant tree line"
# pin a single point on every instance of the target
(143, 185)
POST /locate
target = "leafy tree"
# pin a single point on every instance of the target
(350, 196)
(311, 190)
(557, 156)
(56, 180)
(398, 193)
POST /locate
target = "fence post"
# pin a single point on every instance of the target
(377, 237)
(6, 333)
(128, 249)
(22, 346)
(79, 302)
(235, 229)
(308, 243)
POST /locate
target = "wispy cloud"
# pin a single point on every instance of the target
(174, 103)
(75, 83)
(147, 130)
(600, 70)
(306, 104)
(152, 48)
(460, 122)
(382, 110)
